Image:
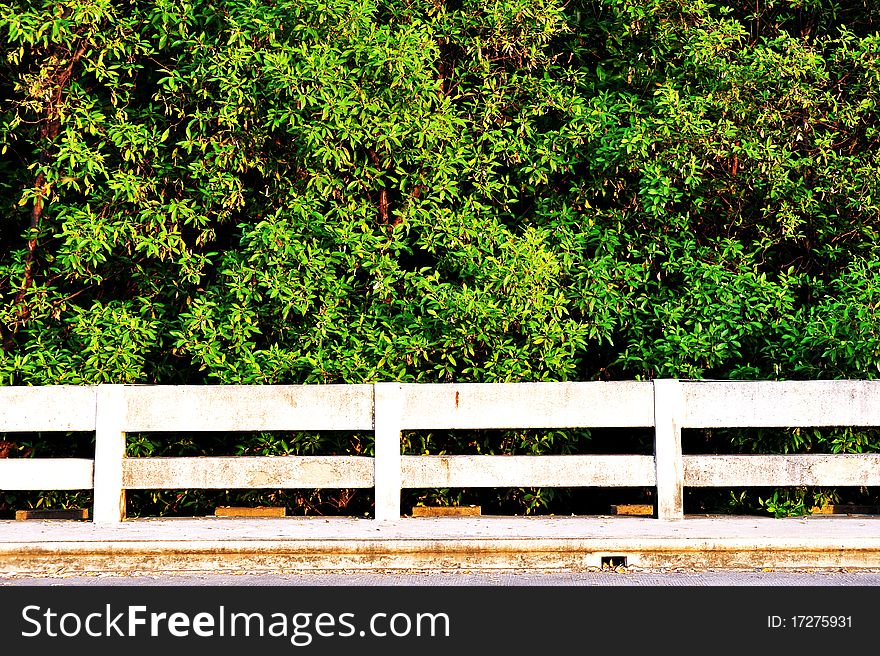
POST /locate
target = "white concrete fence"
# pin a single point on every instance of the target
(111, 411)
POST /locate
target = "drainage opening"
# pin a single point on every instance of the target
(613, 562)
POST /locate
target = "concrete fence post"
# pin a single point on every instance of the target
(110, 416)
(387, 418)
(669, 467)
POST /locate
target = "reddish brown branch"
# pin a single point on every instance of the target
(51, 126)
(383, 206)
(384, 210)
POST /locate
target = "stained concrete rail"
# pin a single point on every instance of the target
(392, 542)
(41, 548)
(387, 409)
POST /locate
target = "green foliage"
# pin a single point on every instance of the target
(344, 192)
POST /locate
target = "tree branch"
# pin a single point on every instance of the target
(51, 126)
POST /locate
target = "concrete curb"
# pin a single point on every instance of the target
(556, 543)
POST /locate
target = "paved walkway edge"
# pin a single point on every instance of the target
(546, 543)
(439, 544)
(546, 555)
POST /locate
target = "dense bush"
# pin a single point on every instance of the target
(303, 191)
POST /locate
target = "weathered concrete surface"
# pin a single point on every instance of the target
(437, 544)
(49, 408)
(388, 408)
(109, 495)
(861, 469)
(629, 577)
(781, 403)
(668, 409)
(248, 407)
(387, 416)
(527, 405)
(230, 472)
(527, 471)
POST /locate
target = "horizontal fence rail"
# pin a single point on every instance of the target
(527, 471)
(758, 471)
(387, 409)
(238, 472)
(47, 474)
(735, 404)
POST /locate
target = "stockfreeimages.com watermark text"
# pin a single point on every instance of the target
(300, 628)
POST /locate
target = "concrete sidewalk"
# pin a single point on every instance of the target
(288, 545)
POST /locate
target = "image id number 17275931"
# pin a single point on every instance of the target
(809, 622)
